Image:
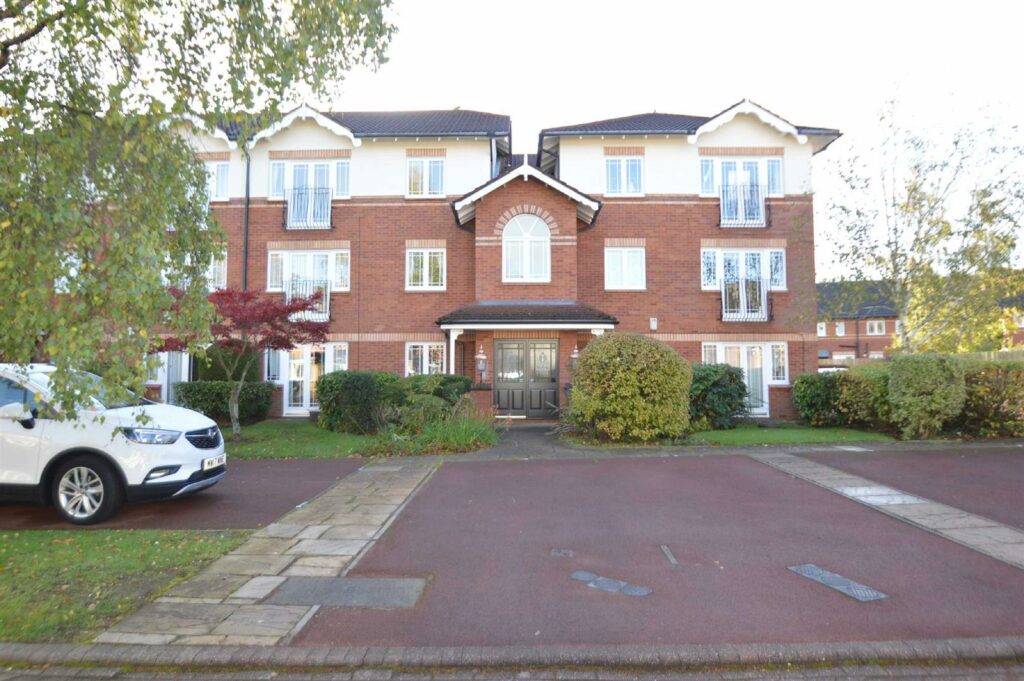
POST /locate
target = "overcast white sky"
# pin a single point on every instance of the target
(814, 63)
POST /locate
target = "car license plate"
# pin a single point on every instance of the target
(214, 462)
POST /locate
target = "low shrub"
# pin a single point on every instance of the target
(816, 397)
(994, 399)
(628, 387)
(926, 392)
(351, 401)
(863, 397)
(444, 386)
(211, 398)
(717, 396)
(418, 411)
(461, 432)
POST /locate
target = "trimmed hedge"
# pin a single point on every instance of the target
(717, 396)
(994, 400)
(211, 398)
(816, 397)
(863, 397)
(351, 401)
(926, 392)
(628, 387)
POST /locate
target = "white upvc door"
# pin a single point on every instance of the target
(305, 365)
(750, 360)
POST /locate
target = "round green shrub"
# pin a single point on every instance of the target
(925, 391)
(445, 386)
(863, 399)
(630, 388)
(350, 401)
(717, 396)
(211, 399)
(816, 397)
(994, 399)
(420, 410)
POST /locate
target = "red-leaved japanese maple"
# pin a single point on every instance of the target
(249, 323)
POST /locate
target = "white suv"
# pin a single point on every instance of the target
(88, 467)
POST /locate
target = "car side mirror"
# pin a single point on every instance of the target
(15, 411)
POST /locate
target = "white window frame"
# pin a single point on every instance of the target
(332, 268)
(772, 380)
(717, 349)
(341, 192)
(840, 329)
(623, 163)
(526, 278)
(822, 329)
(287, 177)
(425, 346)
(427, 163)
(762, 173)
(222, 263)
(876, 354)
(843, 356)
(410, 285)
(213, 180)
(766, 264)
(622, 253)
(872, 329)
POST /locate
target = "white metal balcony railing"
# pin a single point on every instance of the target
(308, 208)
(304, 288)
(743, 205)
(746, 300)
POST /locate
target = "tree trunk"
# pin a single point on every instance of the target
(236, 427)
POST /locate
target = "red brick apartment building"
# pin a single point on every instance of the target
(441, 251)
(856, 320)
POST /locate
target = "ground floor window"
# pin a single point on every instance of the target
(299, 370)
(424, 358)
(762, 364)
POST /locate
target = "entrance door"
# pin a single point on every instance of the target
(750, 360)
(526, 378)
(306, 364)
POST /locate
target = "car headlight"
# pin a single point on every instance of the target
(151, 436)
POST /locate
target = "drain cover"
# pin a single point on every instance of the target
(839, 583)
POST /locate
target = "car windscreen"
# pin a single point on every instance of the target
(102, 396)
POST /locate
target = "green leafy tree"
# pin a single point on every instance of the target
(935, 220)
(96, 172)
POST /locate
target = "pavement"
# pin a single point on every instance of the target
(252, 495)
(563, 560)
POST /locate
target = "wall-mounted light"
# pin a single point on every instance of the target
(574, 357)
(481, 363)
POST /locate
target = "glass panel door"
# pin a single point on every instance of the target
(732, 301)
(316, 370)
(321, 194)
(755, 379)
(750, 196)
(296, 378)
(298, 207)
(730, 195)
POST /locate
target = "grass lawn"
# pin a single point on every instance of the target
(292, 439)
(69, 585)
(786, 434)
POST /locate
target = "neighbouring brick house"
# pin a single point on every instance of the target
(856, 320)
(444, 252)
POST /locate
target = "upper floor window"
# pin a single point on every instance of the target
(285, 176)
(625, 269)
(426, 177)
(526, 250)
(822, 329)
(425, 269)
(876, 327)
(318, 266)
(217, 181)
(840, 328)
(731, 265)
(623, 175)
(217, 274)
(763, 172)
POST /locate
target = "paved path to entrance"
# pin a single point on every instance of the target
(504, 546)
(251, 495)
(219, 606)
(987, 482)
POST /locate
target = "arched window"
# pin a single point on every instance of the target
(526, 250)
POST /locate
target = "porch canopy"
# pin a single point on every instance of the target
(519, 315)
(527, 314)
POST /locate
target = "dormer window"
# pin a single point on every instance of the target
(623, 175)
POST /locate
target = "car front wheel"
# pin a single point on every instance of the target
(86, 490)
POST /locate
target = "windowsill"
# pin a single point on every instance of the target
(627, 290)
(420, 197)
(625, 196)
(425, 289)
(519, 282)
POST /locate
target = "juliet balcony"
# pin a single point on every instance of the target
(304, 288)
(746, 300)
(308, 208)
(743, 206)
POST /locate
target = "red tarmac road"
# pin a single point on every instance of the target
(987, 482)
(482, 534)
(251, 495)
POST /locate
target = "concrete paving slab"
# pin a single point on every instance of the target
(327, 547)
(349, 592)
(208, 585)
(258, 587)
(260, 620)
(181, 619)
(250, 565)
